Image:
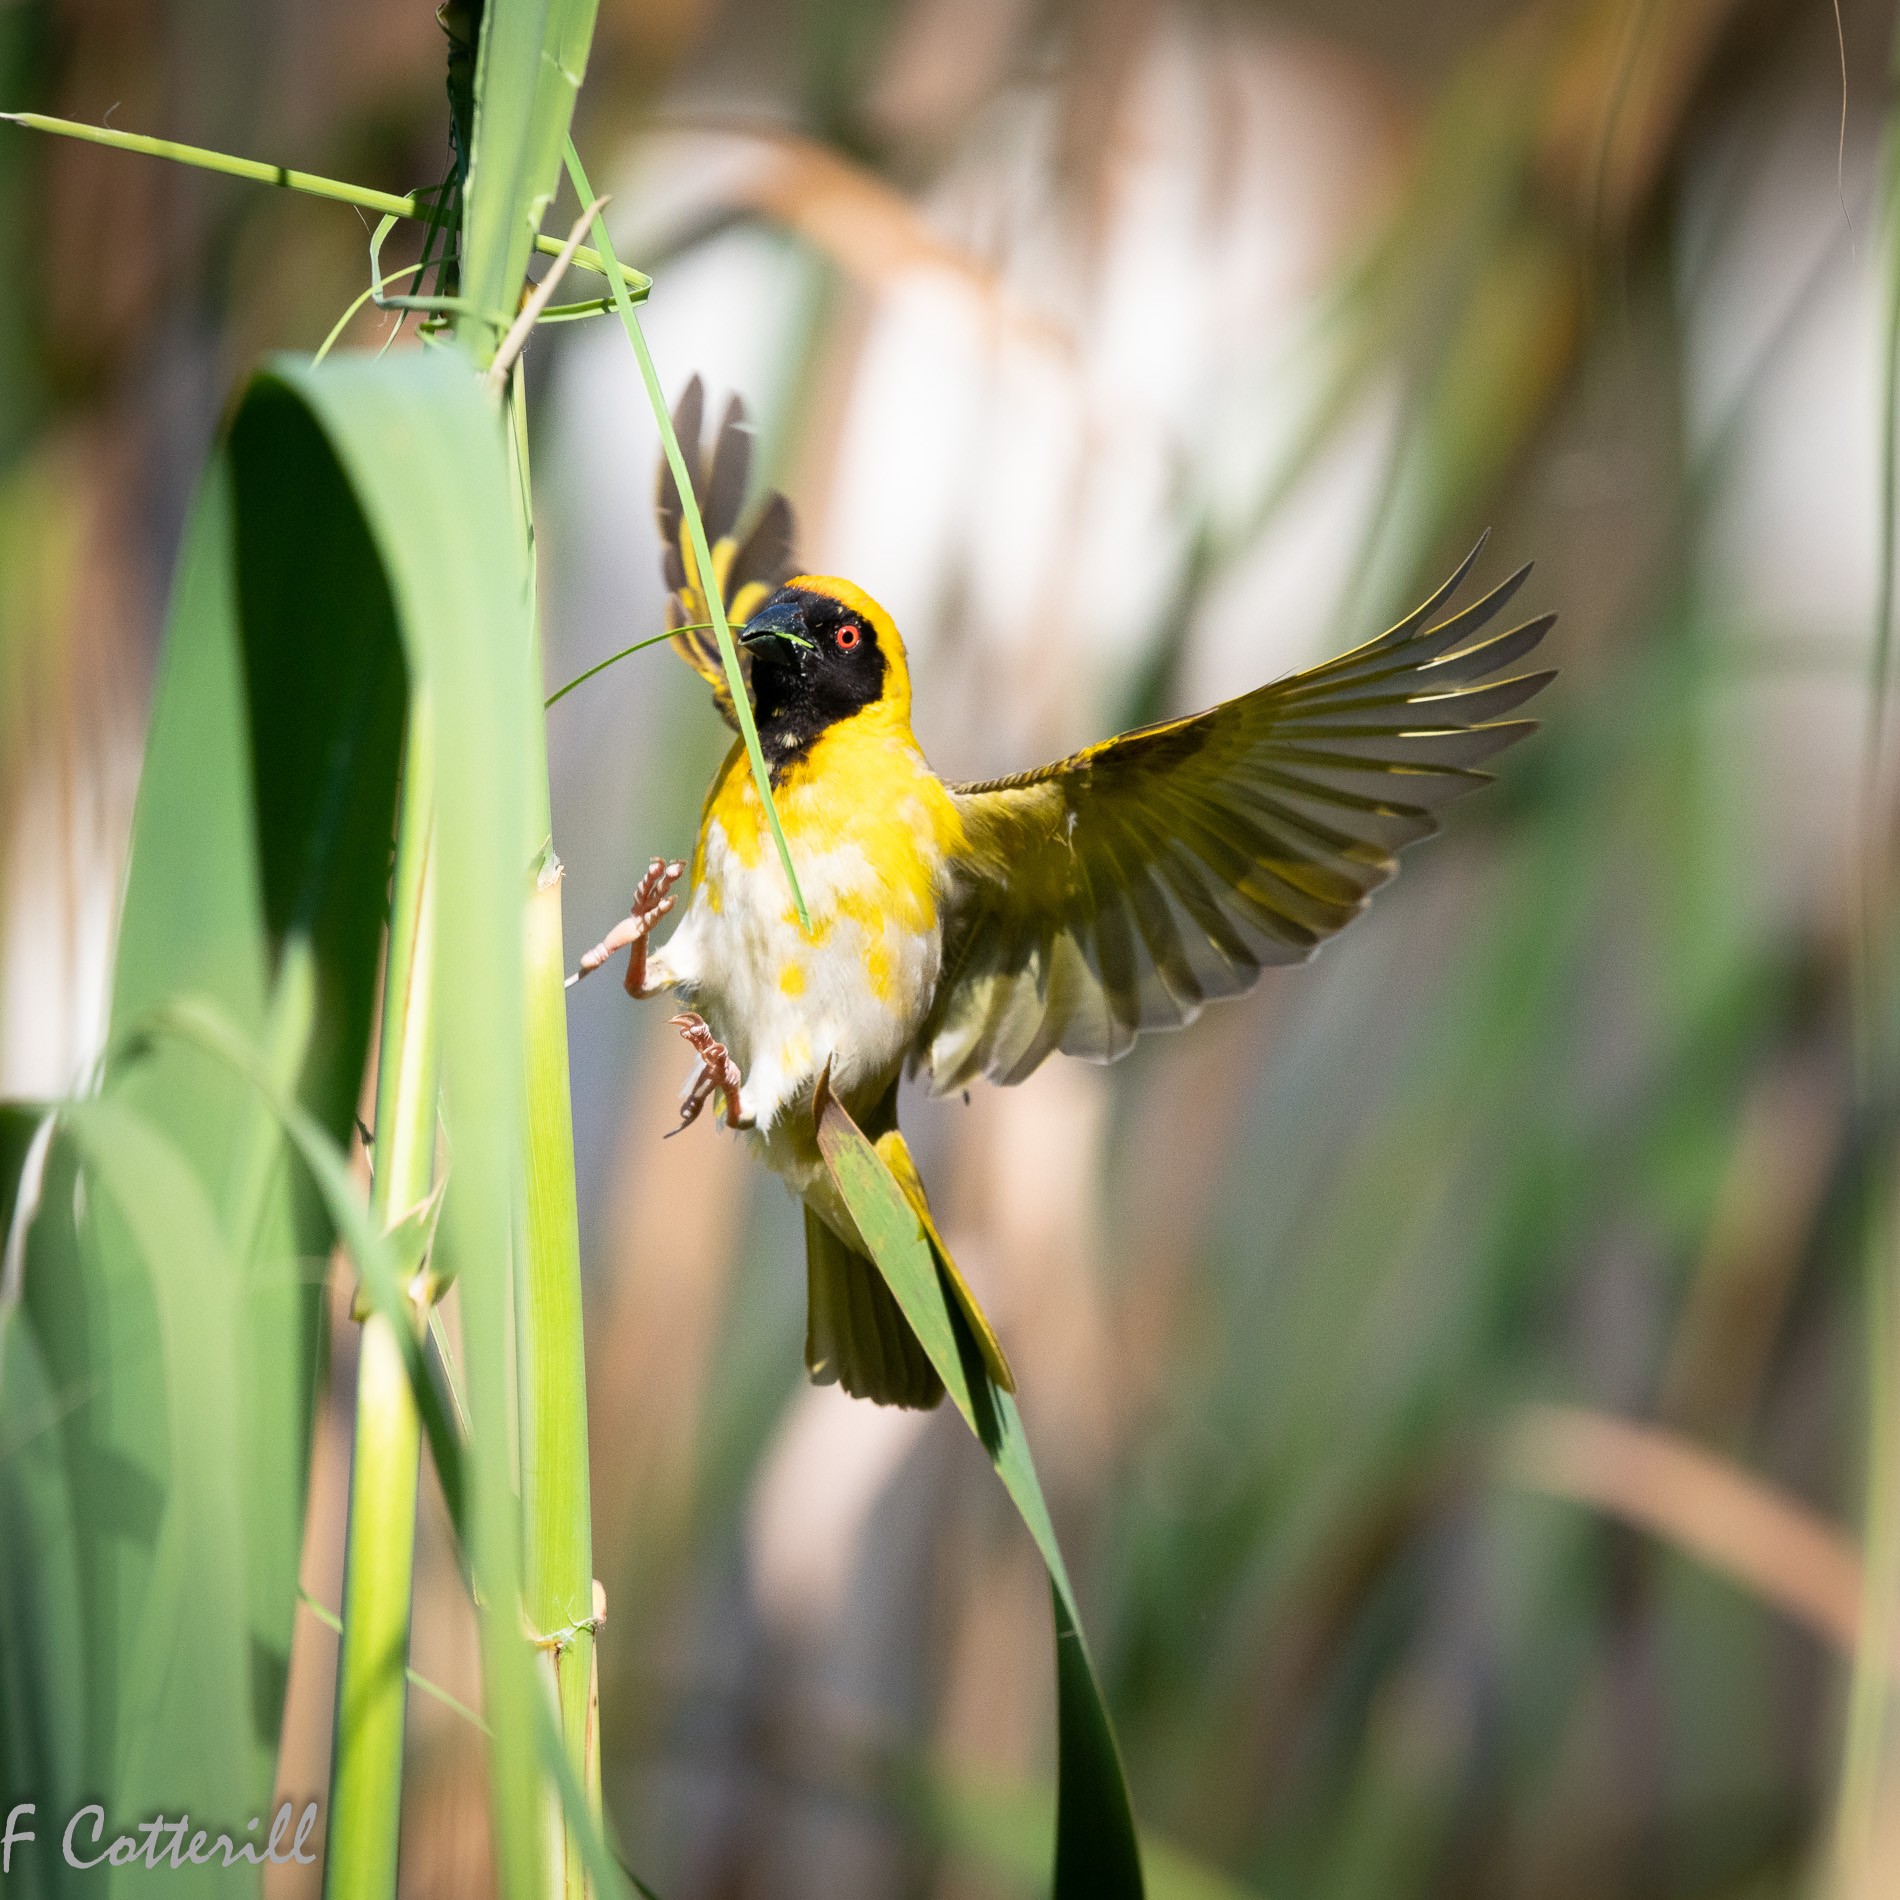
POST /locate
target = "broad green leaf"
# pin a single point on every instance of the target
(420, 453)
(352, 508)
(259, 848)
(1096, 1852)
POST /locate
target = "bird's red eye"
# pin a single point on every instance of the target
(847, 637)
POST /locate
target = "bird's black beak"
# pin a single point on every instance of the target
(778, 624)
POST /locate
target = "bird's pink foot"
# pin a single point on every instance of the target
(650, 904)
(718, 1074)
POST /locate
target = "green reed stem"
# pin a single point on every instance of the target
(558, 1549)
(415, 204)
(365, 1806)
(695, 528)
(558, 1588)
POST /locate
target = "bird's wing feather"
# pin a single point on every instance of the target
(749, 570)
(1124, 888)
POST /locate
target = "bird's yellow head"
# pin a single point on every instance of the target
(822, 651)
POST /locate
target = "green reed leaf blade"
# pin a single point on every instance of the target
(1096, 1853)
(528, 71)
(1003, 1826)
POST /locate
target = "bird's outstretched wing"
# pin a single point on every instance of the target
(749, 571)
(1124, 888)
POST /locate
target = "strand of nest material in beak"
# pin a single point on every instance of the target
(517, 337)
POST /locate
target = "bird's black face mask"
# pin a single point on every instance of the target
(814, 662)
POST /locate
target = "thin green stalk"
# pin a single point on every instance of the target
(695, 528)
(342, 323)
(415, 204)
(365, 1807)
(639, 646)
(331, 1621)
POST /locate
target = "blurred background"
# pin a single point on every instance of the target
(1448, 1365)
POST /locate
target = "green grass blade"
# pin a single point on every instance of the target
(696, 530)
(334, 1623)
(639, 646)
(196, 156)
(1096, 1855)
(566, 39)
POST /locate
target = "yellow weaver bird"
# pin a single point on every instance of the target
(972, 930)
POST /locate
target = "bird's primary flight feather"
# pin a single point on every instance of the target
(975, 930)
(1123, 888)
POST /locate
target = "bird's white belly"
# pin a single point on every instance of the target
(853, 993)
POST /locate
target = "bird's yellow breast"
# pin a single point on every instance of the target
(870, 828)
(862, 796)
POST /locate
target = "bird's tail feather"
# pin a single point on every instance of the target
(856, 1335)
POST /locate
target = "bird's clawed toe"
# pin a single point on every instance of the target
(651, 902)
(717, 1074)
